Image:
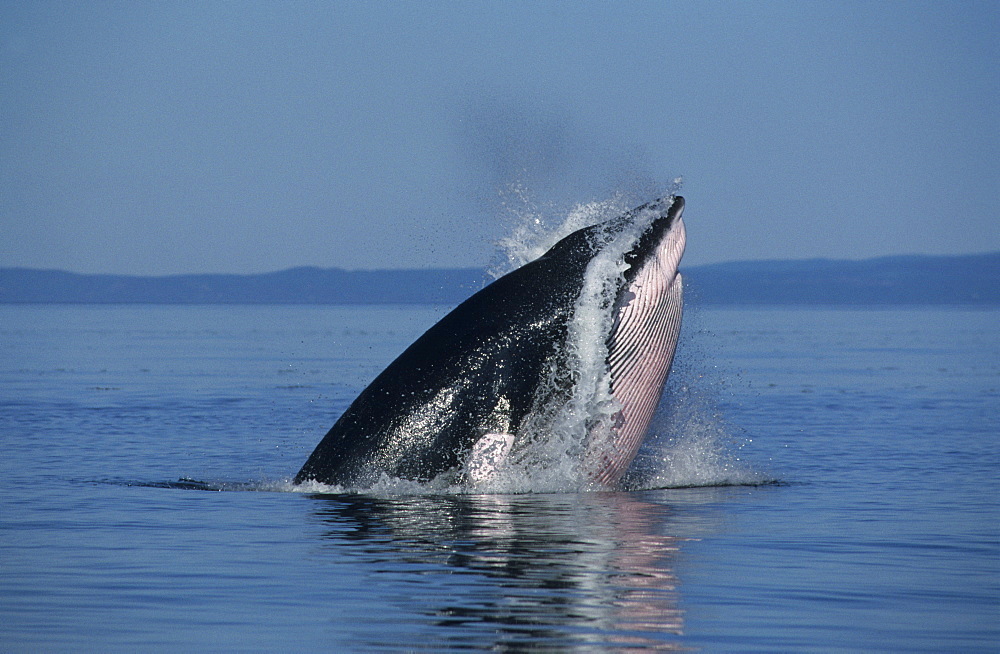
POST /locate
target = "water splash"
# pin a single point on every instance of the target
(690, 444)
(534, 228)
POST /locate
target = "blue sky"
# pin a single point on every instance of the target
(175, 137)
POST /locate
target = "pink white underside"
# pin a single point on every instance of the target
(640, 353)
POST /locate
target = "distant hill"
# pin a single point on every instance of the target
(294, 286)
(899, 280)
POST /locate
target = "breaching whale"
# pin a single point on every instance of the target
(482, 387)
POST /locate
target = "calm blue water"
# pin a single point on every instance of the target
(882, 426)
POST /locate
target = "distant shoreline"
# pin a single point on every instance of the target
(909, 280)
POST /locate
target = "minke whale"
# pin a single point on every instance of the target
(575, 345)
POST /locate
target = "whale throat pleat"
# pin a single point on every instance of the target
(640, 352)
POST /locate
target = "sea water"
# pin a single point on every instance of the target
(818, 480)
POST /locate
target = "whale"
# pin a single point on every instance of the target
(576, 345)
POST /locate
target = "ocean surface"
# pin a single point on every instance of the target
(820, 480)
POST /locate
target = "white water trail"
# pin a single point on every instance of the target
(558, 433)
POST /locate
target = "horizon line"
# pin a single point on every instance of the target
(484, 268)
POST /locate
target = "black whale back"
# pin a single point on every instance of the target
(474, 372)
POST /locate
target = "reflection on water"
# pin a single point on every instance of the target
(591, 569)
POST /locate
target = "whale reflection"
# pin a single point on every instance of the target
(520, 571)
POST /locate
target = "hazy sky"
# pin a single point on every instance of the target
(170, 137)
